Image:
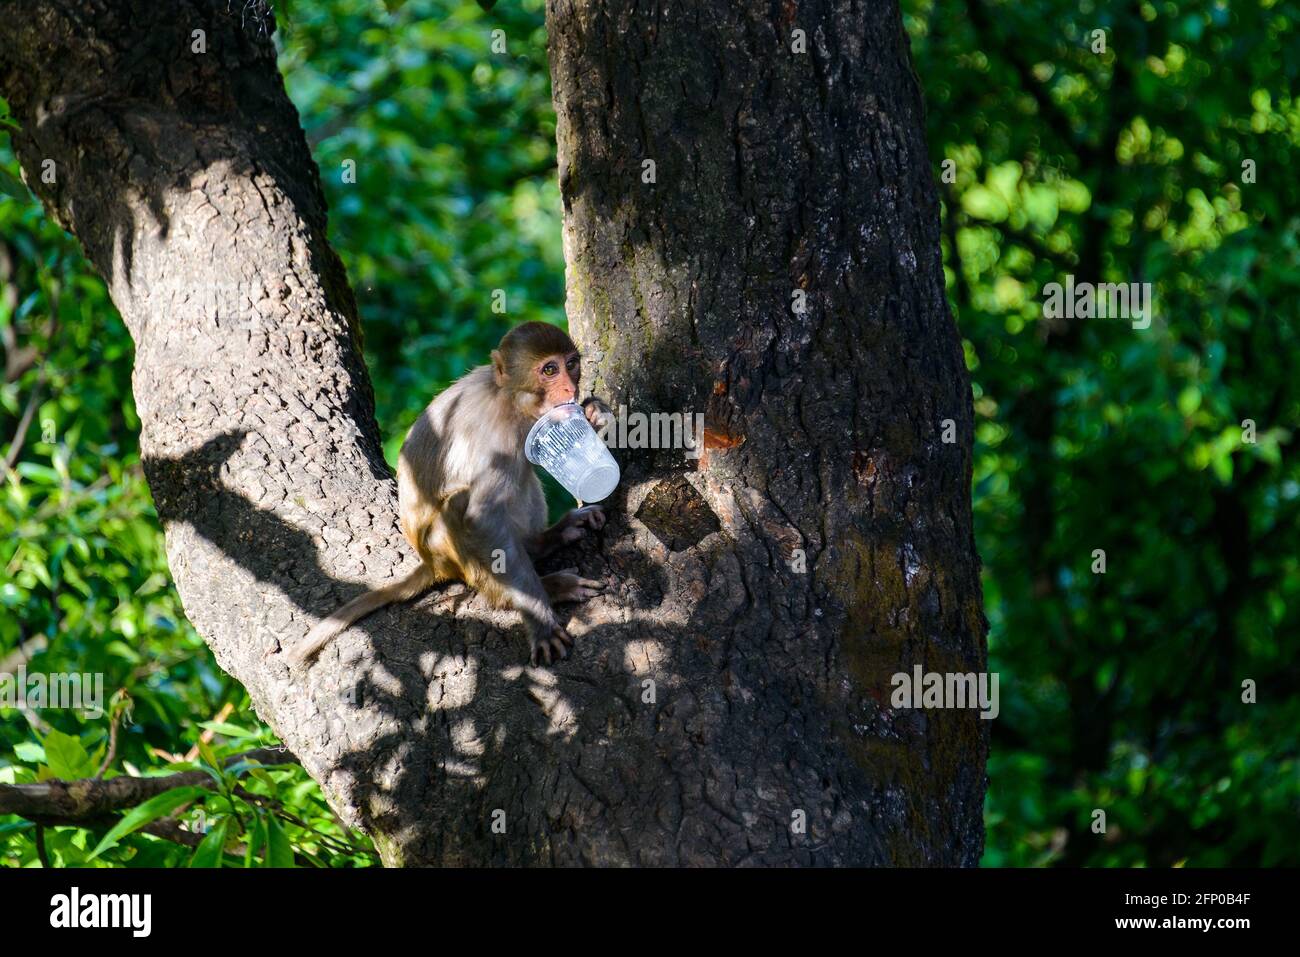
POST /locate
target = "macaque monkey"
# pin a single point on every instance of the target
(470, 503)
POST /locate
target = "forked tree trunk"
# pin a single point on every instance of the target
(781, 274)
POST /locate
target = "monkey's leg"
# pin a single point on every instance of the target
(498, 565)
(567, 530)
(567, 585)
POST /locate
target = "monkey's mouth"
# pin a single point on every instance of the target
(547, 407)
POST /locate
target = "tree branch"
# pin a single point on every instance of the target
(23, 654)
(81, 801)
(1052, 114)
(34, 400)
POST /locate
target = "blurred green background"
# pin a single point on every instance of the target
(1166, 159)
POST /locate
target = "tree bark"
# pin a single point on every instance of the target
(719, 695)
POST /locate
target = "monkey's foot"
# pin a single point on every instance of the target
(552, 646)
(567, 585)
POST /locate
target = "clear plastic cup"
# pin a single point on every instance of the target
(563, 442)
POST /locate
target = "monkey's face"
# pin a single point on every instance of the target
(555, 380)
(537, 367)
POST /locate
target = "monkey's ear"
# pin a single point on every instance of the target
(498, 367)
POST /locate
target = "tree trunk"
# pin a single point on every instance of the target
(735, 682)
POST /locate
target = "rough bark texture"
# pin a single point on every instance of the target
(781, 176)
(189, 181)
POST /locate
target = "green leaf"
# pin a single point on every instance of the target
(65, 757)
(279, 853)
(983, 203)
(210, 762)
(256, 767)
(256, 838)
(158, 806)
(209, 853)
(229, 730)
(11, 186)
(38, 473)
(30, 752)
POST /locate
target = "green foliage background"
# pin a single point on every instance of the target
(1120, 691)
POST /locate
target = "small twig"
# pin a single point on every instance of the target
(41, 850)
(206, 737)
(29, 412)
(277, 807)
(169, 829)
(25, 423)
(39, 724)
(112, 747)
(208, 734)
(18, 359)
(11, 662)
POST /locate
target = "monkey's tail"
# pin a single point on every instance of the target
(329, 628)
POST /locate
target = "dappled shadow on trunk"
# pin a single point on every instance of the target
(462, 727)
(703, 706)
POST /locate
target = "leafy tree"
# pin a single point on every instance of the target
(1120, 691)
(759, 732)
(1163, 160)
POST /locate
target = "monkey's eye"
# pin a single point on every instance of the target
(550, 369)
(573, 363)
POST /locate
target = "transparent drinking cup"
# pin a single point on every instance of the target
(563, 443)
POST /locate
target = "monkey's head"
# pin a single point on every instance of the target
(538, 367)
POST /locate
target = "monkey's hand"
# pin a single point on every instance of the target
(578, 521)
(568, 585)
(597, 412)
(550, 643)
(575, 524)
